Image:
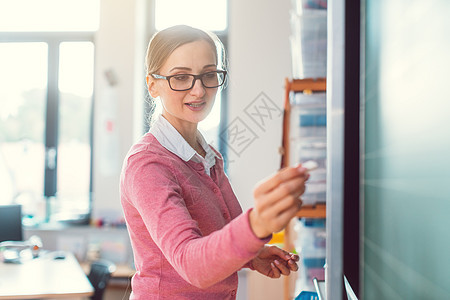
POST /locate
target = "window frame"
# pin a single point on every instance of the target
(53, 40)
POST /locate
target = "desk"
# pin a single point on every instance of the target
(44, 277)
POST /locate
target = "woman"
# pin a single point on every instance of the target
(187, 229)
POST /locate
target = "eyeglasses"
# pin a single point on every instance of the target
(184, 82)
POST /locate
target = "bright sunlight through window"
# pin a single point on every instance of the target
(49, 15)
(206, 14)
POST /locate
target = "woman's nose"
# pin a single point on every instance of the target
(198, 89)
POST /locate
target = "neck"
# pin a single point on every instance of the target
(189, 133)
(192, 140)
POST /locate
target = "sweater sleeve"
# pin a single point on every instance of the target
(201, 260)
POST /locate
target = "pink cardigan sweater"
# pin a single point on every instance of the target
(187, 229)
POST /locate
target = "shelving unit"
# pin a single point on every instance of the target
(305, 138)
(307, 86)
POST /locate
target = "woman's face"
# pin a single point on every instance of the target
(186, 108)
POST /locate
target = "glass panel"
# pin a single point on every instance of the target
(75, 109)
(407, 161)
(23, 77)
(49, 15)
(206, 14)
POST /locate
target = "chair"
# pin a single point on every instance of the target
(11, 223)
(99, 276)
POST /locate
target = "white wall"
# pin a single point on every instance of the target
(120, 48)
(260, 60)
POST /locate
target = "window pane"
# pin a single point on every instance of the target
(76, 71)
(23, 76)
(49, 15)
(207, 14)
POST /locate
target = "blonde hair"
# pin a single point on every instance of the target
(164, 42)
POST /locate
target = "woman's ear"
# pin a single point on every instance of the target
(151, 86)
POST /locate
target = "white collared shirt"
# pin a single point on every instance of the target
(173, 141)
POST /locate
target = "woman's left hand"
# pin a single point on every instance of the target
(274, 262)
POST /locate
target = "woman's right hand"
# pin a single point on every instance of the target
(277, 200)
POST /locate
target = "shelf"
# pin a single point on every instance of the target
(317, 211)
(296, 85)
(306, 86)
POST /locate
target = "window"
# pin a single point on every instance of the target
(47, 73)
(212, 16)
(76, 70)
(49, 15)
(22, 121)
(208, 14)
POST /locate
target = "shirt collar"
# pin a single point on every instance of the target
(173, 141)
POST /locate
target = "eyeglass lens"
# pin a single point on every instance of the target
(187, 81)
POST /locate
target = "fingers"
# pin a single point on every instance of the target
(279, 268)
(275, 271)
(282, 198)
(277, 200)
(288, 190)
(295, 257)
(283, 217)
(289, 260)
(282, 176)
(284, 269)
(292, 265)
(294, 187)
(286, 202)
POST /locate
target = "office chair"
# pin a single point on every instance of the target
(99, 276)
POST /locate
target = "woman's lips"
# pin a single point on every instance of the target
(196, 105)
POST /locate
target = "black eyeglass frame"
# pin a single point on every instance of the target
(200, 77)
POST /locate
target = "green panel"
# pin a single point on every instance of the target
(407, 150)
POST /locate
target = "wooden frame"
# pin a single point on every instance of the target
(307, 85)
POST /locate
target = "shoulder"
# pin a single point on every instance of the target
(148, 146)
(148, 153)
(147, 167)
